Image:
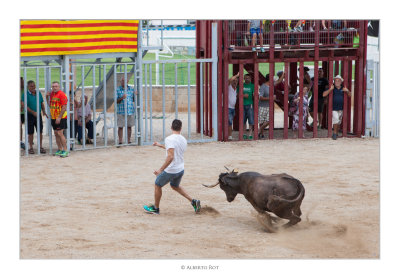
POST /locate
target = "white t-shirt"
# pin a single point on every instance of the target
(179, 143)
(232, 97)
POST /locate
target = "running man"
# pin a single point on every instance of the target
(172, 170)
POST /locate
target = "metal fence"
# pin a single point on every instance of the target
(372, 101)
(295, 33)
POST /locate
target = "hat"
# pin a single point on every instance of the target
(306, 69)
(338, 77)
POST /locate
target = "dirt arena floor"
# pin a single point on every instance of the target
(89, 205)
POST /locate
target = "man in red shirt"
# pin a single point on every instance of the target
(58, 110)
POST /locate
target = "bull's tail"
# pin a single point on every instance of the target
(299, 197)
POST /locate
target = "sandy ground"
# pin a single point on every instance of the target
(89, 205)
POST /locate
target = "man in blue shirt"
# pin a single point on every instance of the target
(125, 104)
(337, 108)
(33, 113)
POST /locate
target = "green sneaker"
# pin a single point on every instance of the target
(250, 137)
(196, 205)
(64, 154)
(245, 137)
(58, 153)
(151, 209)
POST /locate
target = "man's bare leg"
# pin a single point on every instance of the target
(157, 196)
(181, 191)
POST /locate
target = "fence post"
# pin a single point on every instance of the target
(66, 91)
(214, 81)
(139, 75)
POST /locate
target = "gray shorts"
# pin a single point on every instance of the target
(174, 179)
(121, 120)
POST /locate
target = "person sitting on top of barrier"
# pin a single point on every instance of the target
(33, 113)
(130, 109)
(88, 121)
(337, 108)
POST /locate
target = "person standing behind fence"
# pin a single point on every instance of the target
(88, 121)
(296, 103)
(58, 109)
(172, 170)
(248, 113)
(130, 109)
(263, 108)
(233, 81)
(337, 108)
(33, 114)
(323, 84)
(22, 144)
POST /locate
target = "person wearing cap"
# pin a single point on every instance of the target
(307, 78)
(337, 108)
(323, 84)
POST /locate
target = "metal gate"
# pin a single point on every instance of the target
(372, 99)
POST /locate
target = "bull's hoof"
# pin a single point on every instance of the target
(265, 221)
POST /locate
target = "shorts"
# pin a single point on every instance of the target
(121, 120)
(337, 116)
(231, 115)
(336, 24)
(61, 126)
(263, 114)
(32, 123)
(320, 105)
(254, 31)
(248, 114)
(22, 118)
(174, 179)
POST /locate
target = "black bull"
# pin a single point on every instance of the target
(280, 194)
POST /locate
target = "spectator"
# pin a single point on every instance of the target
(263, 108)
(280, 86)
(307, 78)
(337, 108)
(296, 102)
(299, 26)
(22, 144)
(33, 114)
(248, 113)
(88, 122)
(172, 170)
(125, 100)
(254, 28)
(335, 24)
(233, 81)
(58, 109)
(323, 84)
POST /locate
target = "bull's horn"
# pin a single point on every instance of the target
(227, 169)
(211, 186)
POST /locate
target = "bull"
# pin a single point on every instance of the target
(280, 194)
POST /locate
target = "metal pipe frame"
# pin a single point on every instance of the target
(330, 99)
(37, 111)
(151, 103)
(105, 104)
(201, 102)
(94, 106)
(83, 108)
(241, 124)
(214, 80)
(271, 99)
(300, 104)
(286, 102)
(116, 142)
(163, 98)
(345, 97)
(125, 105)
(66, 73)
(189, 112)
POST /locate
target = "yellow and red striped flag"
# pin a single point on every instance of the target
(63, 37)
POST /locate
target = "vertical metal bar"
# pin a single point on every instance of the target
(146, 102)
(138, 106)
(83, 126)
(151, 102)
(241, 124)
(214, 81)
(125, 103)
(225, 74)
(285, 102)
(94, 106)
(345, 97)
(50, 128)
(37, 111)
(300, 104)
(176, 90)
(163, 98)
(205, 86)
(67, 87)
(316, 100)
(220, 87)
(105, 104)
(256, 98)
(26, 112)
(359, 103)
(350, 82)
(271, 97)
(330, 98)
(115, 105)
(72, 128)
(189, 112)
(201, 100)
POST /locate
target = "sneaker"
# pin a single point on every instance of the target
(250, 137)
(262, 49)
(196, 205)
(334, 136)
(253, 49)
(64, 154)
(230, 138)
(58, 153)
(22, 145)
(151, 209)
(244, 137)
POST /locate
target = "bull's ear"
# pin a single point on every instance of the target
(235, 171)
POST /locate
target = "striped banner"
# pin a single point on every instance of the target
(62, 37)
